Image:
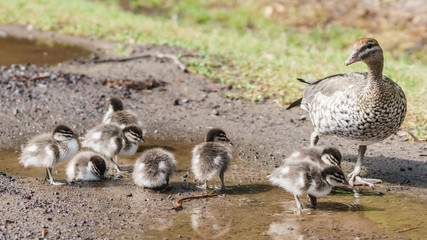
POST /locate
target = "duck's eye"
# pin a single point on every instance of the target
(369, 45)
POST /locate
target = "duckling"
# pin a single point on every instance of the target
(48, 150)
(154, 168)
(86, 166)
(363, 107)
(110, 140)
(327, 156)
(307, 177)
(117, 115)
(211, 157)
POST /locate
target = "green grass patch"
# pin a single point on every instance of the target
(260, 55)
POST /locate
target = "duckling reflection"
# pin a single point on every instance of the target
(210, 223)
(313, 224)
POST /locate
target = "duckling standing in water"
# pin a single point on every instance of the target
(49, 150)
(86, 166)
(110, 140)
(305, 176)
(117, 115)
(154, 168)
(324, 155)
(212, 157)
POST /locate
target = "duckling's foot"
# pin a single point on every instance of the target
(119, 170)
(223, 188)
(203, 187)
(57, 183)
(366, 181)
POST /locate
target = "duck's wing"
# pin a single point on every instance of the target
(336, 83)
(328, 86)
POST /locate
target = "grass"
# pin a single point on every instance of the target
(260, 54)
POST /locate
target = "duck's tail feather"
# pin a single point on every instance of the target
(304, 81)
(295, 104)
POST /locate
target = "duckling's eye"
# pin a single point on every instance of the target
(369, 45)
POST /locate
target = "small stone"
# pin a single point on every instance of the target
(303, 117)
(402, 169)
(129, 195)
(49, 219)
(379, 193)
(215, 112)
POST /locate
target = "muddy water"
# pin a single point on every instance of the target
(258, 210)
(23, 51)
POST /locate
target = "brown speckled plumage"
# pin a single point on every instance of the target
(363, 107)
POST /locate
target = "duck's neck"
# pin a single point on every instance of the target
(375, 73)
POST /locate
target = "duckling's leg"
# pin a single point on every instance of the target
(354, 178)
(204, 186)
(116, 167)
(314, 138)
(49, 177)
(299, 206)
(223, 187)
(313, 200)
(167, 180)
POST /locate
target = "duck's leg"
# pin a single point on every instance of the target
(314, 138)
(313, 200)
(116, 167)
(354, 178)
(49, 177)
(299, 206)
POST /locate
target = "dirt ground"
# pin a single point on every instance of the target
(182, 108)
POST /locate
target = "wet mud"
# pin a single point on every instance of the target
(176, 115)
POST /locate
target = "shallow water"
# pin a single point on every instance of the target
(23, 51)
(258, 210)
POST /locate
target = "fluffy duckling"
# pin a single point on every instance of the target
(86, 166)
(307, 177)
(154, 168)
(48, 150)
(117, 115)
(327, 156)
(212, 157)
(110, 140)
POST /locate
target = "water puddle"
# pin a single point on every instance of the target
(257, 210)
(23, 51)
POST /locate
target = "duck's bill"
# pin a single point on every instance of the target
(354, 57)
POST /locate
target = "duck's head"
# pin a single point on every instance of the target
(331, 156)
(63, 133)
(98, 165)
(116, 104)
(334, 176)
(216, 135)
(133, 133)
(367, 50)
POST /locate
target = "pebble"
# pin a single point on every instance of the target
(215, 112)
